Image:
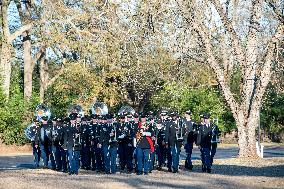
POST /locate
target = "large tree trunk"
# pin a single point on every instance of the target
(5, 65)
(43, 78)
(246, 134)
(28, 66)
(5, 68)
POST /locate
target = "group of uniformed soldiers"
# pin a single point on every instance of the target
(137, 143)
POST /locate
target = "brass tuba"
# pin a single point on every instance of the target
(75, 108)
(126, 109)
(41, 111)
(30, 134)
(99, 108)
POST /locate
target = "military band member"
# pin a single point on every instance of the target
(55, 138)
(35, 141)
(145, 147)
(204, 140)
(97, 159)
(174, 138)
(63, 150)
(113, 145)
(190, 138)
(72, 143)
(214, 139)
(160, 145)
(122, 143)
(86, 144)
(46, 143)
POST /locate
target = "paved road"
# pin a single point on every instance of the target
(26, 160)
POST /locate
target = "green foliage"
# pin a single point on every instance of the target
(272, 117)
(15, 113)
(197, 100)
(79, 85)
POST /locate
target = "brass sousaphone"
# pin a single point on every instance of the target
(99, 108)
(126, 110)
(41, 111)
(76, 108)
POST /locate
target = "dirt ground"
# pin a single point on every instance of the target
(16, 172)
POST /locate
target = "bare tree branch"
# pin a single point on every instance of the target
(19, 32)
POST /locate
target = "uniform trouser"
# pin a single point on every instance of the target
(188, 150)
(74, 156)
(143, 160)
(175, 151)
(97, 158)
(125, 153)
(36, 153)
(86, 157)
(56, 153)
(205, 157)
(169, 158)
(105, 149)
(160, 151)
(64, 159)
(213, 151)
(113, 156)
(46, 154)
(152, 163)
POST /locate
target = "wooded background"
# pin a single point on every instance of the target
(224, 57)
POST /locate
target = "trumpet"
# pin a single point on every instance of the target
(113, 131)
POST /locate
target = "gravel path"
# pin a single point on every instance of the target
(16, 172)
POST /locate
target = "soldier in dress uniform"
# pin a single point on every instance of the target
(72, 143)
(190, 138)
(86, 144)
(35, 141)
(97, 152)
(122, 142)
(104, 143)
(145, 146)
(46, 143)
(160, 145)
(113, 145)
(129, 131)
(174, 138)
(55, 138)
(204, 141)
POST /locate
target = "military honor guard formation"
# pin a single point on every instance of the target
(125, 142)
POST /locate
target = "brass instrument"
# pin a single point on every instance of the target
(29, 132)
(126, 109)
(113, 130)
(41, 111)
(215, 132)
(99, 108)
(75, 108)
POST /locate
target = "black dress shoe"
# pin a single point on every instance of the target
(175, 171)
(203, 168)
(170, 170)
(139, 173)
(208, 170)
